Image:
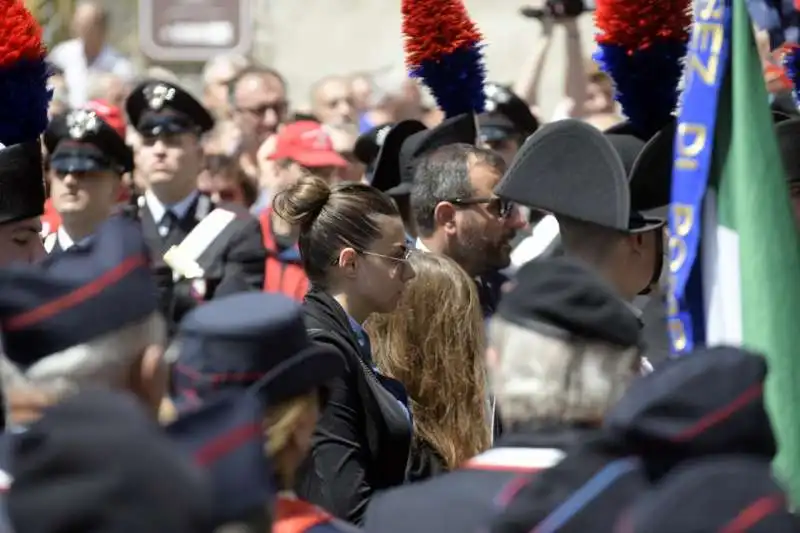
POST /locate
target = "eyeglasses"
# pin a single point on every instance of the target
(279, 108)
(496, 206)
(398, 261)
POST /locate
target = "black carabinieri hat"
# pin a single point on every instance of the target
(410, 140)
(156, 107)
(618, 175)
(80, 141)
(22, 192)
(250, 340)
(506, 114)
(369, 143)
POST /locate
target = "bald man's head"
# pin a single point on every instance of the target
(260, 104)
(332, 101)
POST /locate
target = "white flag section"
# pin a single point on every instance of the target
(722, 291)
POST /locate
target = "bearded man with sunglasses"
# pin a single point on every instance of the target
(458, 215)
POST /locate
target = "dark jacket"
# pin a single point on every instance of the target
(468, 498)
(362, 440)
(425, 462)
(234, 262)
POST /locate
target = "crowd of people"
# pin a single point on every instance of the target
(219, 313)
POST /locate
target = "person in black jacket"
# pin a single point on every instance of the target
(355, 254)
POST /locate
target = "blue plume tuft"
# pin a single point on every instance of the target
(456, 80)
(646, 81)
(791, 62)
(24, 99)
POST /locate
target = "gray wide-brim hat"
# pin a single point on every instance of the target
(611, 179)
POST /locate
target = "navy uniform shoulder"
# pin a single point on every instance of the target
(458, 501)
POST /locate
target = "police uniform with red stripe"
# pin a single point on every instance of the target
(70, 299)
(222, 353)
(200, 250)
(706, 405)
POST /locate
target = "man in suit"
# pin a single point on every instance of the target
(87, 161)
(200, 250)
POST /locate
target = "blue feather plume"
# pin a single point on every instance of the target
(646, 81)
(456, 80)
(24, 100)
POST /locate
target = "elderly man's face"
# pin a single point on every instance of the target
(261, 107)
(20, 241)
(333, 103)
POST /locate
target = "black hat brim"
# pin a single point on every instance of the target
(387, 174)
(651, 174)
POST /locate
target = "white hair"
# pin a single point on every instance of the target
(224, 65)
(105, 360)
(544, 378)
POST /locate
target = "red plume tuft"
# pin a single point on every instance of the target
(434, 28)
(20, 34)
(636, 25)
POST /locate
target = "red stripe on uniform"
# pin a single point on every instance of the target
(75, 297)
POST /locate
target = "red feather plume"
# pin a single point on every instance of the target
(20, 34)
(636, 25)
(434, 28)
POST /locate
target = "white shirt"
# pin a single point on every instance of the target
(70, 57)
(542, 236)
(420, 246)
(159, 210)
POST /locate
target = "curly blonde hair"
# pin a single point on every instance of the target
(434, 344)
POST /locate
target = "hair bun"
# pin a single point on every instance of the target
(301, 203)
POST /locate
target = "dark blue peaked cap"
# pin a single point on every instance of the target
(76, 296)
(250, 340)
(723, 493)
(225, 437)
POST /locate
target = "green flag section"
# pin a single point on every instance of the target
(750, 246)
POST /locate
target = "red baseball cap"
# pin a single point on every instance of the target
(307, 143)
(111, 115)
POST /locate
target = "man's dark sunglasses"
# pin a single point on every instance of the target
(497, 206)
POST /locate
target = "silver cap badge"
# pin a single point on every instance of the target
(82, 121)
(156, 95)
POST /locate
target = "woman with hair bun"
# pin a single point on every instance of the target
(355, 254)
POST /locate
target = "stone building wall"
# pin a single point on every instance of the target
(306, 39)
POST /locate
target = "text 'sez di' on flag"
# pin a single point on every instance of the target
(734, 254)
